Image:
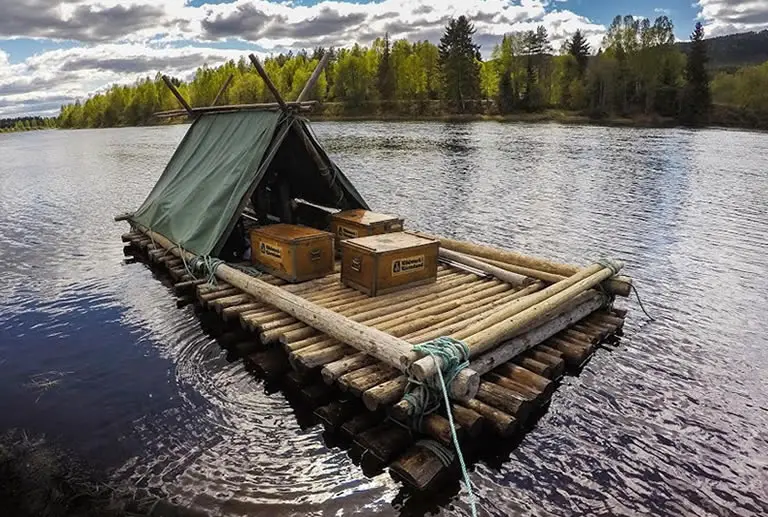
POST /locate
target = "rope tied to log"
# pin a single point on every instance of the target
(204, 265)
(428, 395)
(442, 452)
(611, 264)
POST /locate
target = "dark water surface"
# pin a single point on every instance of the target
(94, 353)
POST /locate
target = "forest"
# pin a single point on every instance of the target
(639, 72)
(26, 123)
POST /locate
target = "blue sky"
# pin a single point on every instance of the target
(53, 51)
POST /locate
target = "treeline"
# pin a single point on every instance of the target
(26, 123)
(637, 71)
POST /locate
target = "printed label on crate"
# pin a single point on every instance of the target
(270, 250)
(407, 265)
(346, 233)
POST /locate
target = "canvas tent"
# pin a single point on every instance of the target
(228, 160)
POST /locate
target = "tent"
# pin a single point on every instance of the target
(267, 162)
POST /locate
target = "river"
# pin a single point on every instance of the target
(95, 354)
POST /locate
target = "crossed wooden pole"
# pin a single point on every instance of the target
(298, 105)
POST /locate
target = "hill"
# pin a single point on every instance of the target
(735, 50)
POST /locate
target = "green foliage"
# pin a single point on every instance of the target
(459, 61)
(26, 123)
(698, 99)
(638, 71)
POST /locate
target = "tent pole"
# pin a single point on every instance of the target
(314, 77)
(268, 81)
(222, 90)
(176, 94)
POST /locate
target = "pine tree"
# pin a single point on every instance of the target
(506, 92)
(386, 76)
(459, 56)
(579, 49)
(698, 98)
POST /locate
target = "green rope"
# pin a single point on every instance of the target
(425, 398)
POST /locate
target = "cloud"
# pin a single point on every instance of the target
(45, 81)
(723, 17)
(123, 40)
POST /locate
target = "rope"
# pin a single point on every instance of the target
(609, 264)
(637, 295)
(442, 452)
(424, 396)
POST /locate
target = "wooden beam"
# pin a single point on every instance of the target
(268, 81)
(176, 94)
(314, 77)
(304, 106)
(222, 89)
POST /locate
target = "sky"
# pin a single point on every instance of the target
(53, 52)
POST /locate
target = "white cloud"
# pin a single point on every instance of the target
(723, 17)
(125, 40)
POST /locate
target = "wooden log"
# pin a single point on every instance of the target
(581, 306)
(468, 419)
(535, 366)
(223, 88)
(270, 363)
(316, 394)
(385, 393)
(419, 468)
(374, 342)
(334, 414)
(526, 377)
(315, 359)
(314, 77)
(178, 95)
(359, 385)
(336, 369)
(268, 81)
(220, 304)
(230, 313)
(527, 392)
(508, 277)
(384, 441)
(345, 379)
(459, 300)
(620, 285)
(228, 108)
(504, 399)
(502, 423)
(360, 423)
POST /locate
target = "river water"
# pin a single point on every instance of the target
(94, 353)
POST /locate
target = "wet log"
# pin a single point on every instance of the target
(504, 399)
(270, 363)
(525, 377)
(502, 423)
(360, 423)
(535, 366)
(468, 419)
(383, 442)
(527, 392)
(334, 414)
(419, 468)
(316, 394)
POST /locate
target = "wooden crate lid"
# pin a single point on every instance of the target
(365, 217)
(290, 232)
(388, 242)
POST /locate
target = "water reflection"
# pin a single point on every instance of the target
(93, 352)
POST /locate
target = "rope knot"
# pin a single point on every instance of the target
(609, 264)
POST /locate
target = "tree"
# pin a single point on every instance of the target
(579, 49)
(459, 62)
(537, 47)
(698, 98)
(385, 80)
(507, 99)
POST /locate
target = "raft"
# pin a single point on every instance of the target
(493, 334)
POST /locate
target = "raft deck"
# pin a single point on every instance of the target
(358, 395)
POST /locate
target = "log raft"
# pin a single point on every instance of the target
(527, 323)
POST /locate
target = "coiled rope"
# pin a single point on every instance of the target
(425, 396)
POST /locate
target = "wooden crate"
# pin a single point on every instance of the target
(380, 264)
(293, 253)
(352, 224)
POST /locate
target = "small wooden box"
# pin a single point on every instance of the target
(293, 253)
(351, 224)
(380, 264)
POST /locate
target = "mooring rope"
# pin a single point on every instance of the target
(611, 264)
(424, 395)
(639, 302)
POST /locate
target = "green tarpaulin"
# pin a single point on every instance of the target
(201, 189)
